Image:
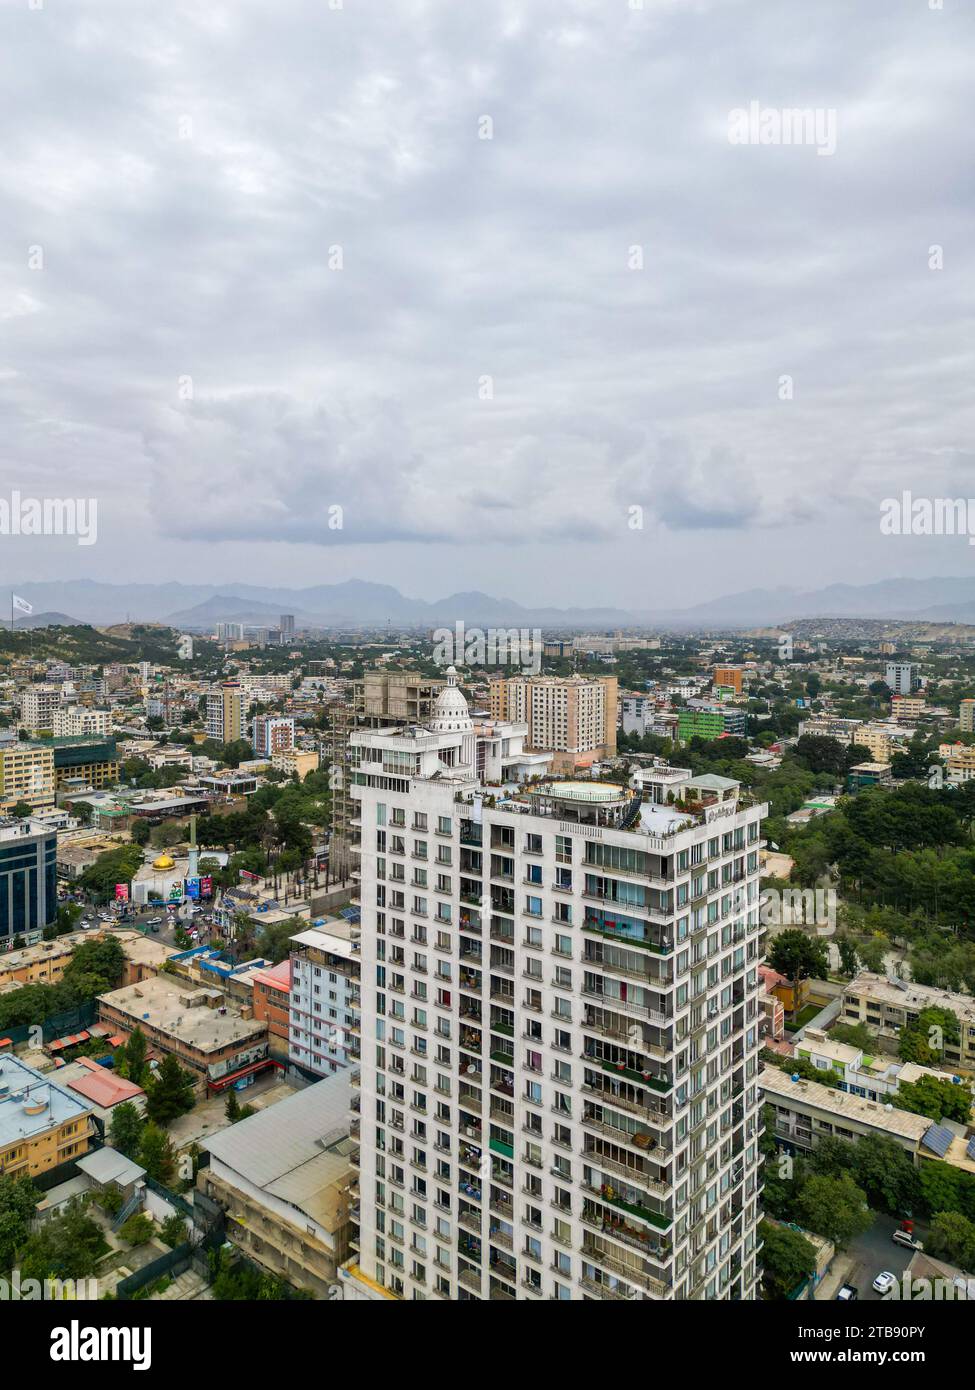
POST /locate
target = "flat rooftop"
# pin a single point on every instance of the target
(905, 995)
(842, 1105)
(22, 1087)
(189, 1013)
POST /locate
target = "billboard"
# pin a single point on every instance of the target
(206, 886)
(121, 892)
(193, 888)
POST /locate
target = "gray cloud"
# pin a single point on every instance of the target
(188, 171)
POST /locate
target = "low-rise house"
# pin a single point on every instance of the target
(283, 1176)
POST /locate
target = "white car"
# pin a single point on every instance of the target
(884, 1282)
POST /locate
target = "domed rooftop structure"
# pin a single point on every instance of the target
(451, 714)
(165, 861)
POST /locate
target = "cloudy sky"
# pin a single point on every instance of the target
(488, 277)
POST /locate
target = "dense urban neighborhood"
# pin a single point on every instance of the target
(622, 965)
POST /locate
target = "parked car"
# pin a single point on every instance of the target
(884, 1282)
(909, 1241)
(848, 1293)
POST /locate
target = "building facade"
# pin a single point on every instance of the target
(573, 717)
(560, 1012)
(28, 881)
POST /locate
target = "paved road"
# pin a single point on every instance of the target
(875, 1251)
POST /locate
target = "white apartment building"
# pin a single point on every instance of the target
(560, 1015)
(323, 1009)
(78, 720)
(39, 704)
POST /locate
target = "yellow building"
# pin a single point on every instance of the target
(26, 774)
(966, 716)
(41, 1123)
(43, 964)
(295, 763)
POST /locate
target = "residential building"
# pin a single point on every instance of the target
(959, 760)
(295, 762)
(282, 1177)
(966, 716)
(572, 717)
(287, 626)
(907, 709)
(710, 723)
(225, 720)
(218, 1045)
(731, 676)
(28, 881)
(559, 1098)
(76, 720)
(26, 775)
(887, 1004)
(805, 1112)
(272, 1002)
(324, 1020)
(876, 1077)
(865, 775)
(902, 677)
(38, 706)
(272, 733)
(41, 1123)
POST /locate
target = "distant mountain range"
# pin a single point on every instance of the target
(360, 603)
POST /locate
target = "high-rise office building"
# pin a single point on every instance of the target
(573, 717)
(28, 880)
(225, 719)
(287, 626)
(560, 1014)
(902, 677)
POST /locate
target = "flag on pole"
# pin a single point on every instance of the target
(21, 604)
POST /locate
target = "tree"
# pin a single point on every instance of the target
(101, 959)
(853, 1034)
(923, 1041)
(939, 1099)
(232, 1108)
(132, 1061)
(141, 831)
(849, 959)
(125, 1131)
(137, 1229)
(799, 957)
(157, 1155)
(952, 1238)
(787, 1259)
(170, 1094)
(834, 1207)
(68, 1246)
(21, 810)
(18, 1198)
(172, 1232)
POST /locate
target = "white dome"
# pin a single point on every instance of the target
(451, 714)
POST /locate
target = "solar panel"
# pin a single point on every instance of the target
(938, 1140)
(971, 1147)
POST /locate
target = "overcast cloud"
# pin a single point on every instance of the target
(282, 273)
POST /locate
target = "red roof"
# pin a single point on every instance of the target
(102, 1086)
(278, 977)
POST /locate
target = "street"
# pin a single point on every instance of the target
(875, 1251)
